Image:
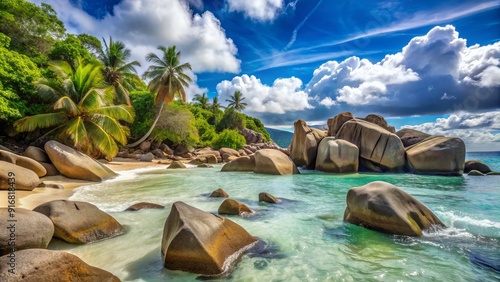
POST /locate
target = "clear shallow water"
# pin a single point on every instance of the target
(310, 241)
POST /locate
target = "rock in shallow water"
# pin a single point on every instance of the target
(200, 242)
(35, 265)
(79, 222)
(144, 205)
(384, 207)
(270, 161)
(337, 156)
(233, 207)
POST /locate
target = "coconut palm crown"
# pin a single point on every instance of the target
(118, 71)
(83, 114)
(236, 101)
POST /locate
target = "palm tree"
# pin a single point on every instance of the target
(118, 71)
(84, 115)
(236, 101)
(215, 105)
(201, 100)
(167, 79)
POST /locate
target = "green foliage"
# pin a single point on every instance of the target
(17, 74)
(201, 100)
(229, 139)
(70, 49)
(231, 120)
(256, 125)
(143, 103)
(90, 42)
(83, 114)
(177, 126)
(33, 29)
(206, 132)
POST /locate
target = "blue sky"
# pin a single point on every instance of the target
(431, 65)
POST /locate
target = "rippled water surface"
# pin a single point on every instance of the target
(306, 237)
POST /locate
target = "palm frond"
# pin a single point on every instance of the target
(102, 141)
(30, 123)
(119, 112)
(67, 105)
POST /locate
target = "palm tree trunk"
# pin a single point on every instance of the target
(136, 143)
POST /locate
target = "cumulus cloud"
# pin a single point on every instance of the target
(261, 10)
(143, 25)
(283, 96)
(477, 130)
(413, 81)
(327, 102)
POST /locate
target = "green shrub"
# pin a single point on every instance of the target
(206, 132)
(176, 125)
(231, 120)
(145, 112)
(229, 139)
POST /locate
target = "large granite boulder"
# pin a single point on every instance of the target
(36, 154)
(410, 137)
(437, 155)
(268, 198)
(233, 207)
(304, 145)
(376, 144)
(74, 164)
(270, 161)
(144, 205)
(380, 121)
(31, 229)
(228, 152)
(335, 123)
(176, 165)
(79, 222)
(35, 265)
(251, 136)
(22, 161)
(22, 178)
(337, 156)
(384, 207)
(476, 165)
(246, 163)
(201, 242)
(51, 169)
(219, 193)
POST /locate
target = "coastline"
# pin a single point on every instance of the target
(31, 199)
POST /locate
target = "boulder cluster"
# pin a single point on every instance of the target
(369, 144)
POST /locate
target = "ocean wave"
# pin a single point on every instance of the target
(458, 221)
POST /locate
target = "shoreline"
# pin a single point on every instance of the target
(31, 199)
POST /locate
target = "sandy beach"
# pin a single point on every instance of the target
(31, 199)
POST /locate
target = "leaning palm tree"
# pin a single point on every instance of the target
(83, 114)
(118, 71)
(167, 79)
(201, 100)
(236, 101)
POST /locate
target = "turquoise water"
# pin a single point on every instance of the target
(306, 237)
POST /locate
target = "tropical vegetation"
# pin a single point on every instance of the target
(86, 92)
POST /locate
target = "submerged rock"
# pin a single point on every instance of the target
(144, 205)
(176, 165)
(376, 144)
(475, 173)
(200, 242)
(384, 207)
(476, 165)
(74, 164)
(304, 145)
(437, 155)
(34, 265)
(270, 161)
(268, 198)
(32, 230)
(233, 207)
(219, 193)
(79, 222)
(337, 156)
(20, 177)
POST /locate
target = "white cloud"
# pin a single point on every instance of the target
(476, 129)
(283, 96)
(428, 66)
(261, 10)
(327, 102)
(143, 25)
